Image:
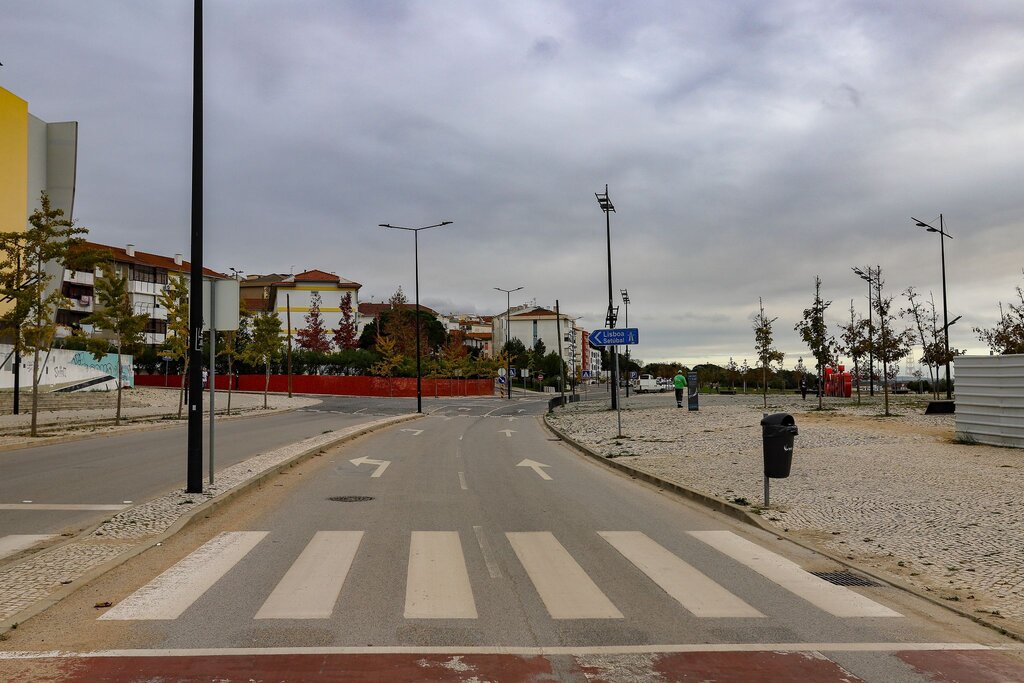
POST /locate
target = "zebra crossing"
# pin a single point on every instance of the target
(439, 586)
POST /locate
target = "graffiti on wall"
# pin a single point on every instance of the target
(107, 364)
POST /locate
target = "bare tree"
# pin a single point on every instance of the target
(767, 354)
(814, 332)
(891, 344)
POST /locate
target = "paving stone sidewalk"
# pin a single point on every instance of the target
(39, 575)
(896, 494)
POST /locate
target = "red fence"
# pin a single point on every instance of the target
(338, 384)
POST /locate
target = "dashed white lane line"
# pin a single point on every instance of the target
(836, 600)
(689, 587)
(462, 481)
(563, 585)
(438, 584)
(485, 549)
(15, 543)
(59, 506)
(311, 586)
(170, 594)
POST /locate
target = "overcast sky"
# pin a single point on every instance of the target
(747, 146)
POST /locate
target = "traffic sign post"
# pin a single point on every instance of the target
(625, 336)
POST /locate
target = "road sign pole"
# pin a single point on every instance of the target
(615, 396)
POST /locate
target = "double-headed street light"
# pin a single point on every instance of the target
(416, 250)
(508, 325)
(605, 202)
(867, 277)
(945, 315)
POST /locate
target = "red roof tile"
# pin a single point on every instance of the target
(142, 258)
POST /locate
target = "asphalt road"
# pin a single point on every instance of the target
(93, 476)
(474, 528)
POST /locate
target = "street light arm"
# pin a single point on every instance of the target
(425, 227)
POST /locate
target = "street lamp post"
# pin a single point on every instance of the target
(416, 252)
(871, 352)
(625, 300)
(605, 202)
(508, 325)
(945, 314)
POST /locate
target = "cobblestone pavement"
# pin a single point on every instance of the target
(896, 494)
(37, 576)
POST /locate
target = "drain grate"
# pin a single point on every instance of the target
(350, 499)
(845, 579)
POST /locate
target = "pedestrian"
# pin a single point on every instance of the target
(803, 387)
(206, 378)
(679, 381)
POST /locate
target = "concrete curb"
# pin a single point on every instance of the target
(188, 518)
(739, 513)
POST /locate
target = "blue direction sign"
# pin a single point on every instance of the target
(621, 337)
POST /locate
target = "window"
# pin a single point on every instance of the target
(149, 274)
(156, 326)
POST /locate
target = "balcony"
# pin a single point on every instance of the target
(83, 304)
(139, 287)
(79, 277)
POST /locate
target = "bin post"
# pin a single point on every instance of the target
(765, 477)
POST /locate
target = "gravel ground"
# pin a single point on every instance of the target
(897, 494)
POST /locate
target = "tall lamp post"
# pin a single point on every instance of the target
(871, 352)
(945, 314)
(508, 325)
(416, 251)
(625, 300)
(605, 202)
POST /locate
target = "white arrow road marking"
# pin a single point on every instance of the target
(507, 432)
(521, 410)
(512, 419)
(381, 465)
(415, 432)
(465, 409)
(536, 468)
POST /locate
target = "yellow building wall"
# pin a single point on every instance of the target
(13, 164)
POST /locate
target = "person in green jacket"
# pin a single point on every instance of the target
(680, 384)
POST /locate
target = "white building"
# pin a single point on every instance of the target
(294, 293)
(530, 323)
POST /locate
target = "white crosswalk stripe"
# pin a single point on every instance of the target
(312, 584)
(174, 591)
(15, 543)
(689, 587)
(563, 585)
(836, 600)
(438, 583)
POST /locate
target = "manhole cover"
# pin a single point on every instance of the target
(845, 579)
(350, 499)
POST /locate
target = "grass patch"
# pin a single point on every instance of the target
(740, 501)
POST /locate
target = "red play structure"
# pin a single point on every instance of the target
(838, 382)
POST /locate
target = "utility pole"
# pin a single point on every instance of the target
(194, 474)
(288, 313)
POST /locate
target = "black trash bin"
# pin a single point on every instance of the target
(777, 432)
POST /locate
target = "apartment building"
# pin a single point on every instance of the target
(530, 323)
(294, 293)
(37, 157)
(148, 276)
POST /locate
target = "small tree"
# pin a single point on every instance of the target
(265, 347)
(345, 336)
(733, 369)
(854, 343)
(890, 344)
(745, 370)
(767, 354)
(313, 336)
(117, 317)
(814, 332)
(174, 300)
(390, 359)
(915, 311)
(1007, 336)
(51, 238)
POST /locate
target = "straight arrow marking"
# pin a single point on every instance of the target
(536, 468)
(507, 432)
(415, 432)
(381, 465)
